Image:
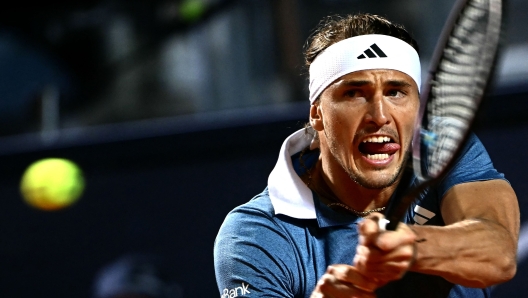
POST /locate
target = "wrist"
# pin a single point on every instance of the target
(419, 239)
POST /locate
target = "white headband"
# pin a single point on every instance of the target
(362, 52)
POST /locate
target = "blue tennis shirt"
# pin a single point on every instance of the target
(281, 242)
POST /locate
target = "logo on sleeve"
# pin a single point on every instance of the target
(236, 292)
(422, 215)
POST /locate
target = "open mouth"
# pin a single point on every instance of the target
(378, 147)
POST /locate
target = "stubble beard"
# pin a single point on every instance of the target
(372, 183)
(369, 183)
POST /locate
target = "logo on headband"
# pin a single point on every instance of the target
(371, 52)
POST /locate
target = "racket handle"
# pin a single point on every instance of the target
(382, 224)
(391, 225)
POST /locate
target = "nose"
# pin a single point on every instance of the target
(377, 111)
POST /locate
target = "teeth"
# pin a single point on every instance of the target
(379, 139)
(378, 156)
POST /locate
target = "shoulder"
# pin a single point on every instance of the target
(250, 239)
(251, 224)
(473, 164)
(258, 208)
(255, 221)
(475, 155)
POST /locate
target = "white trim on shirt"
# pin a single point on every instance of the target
(288, 193)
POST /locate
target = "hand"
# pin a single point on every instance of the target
(344, 281)
(384, 256)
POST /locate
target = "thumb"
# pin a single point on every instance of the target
(369, 228)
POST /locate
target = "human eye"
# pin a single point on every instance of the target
(395, 93)
(352, 93)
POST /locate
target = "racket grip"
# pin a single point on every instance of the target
(382, 224)
(390, 225)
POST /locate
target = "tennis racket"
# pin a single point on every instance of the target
(460, 72)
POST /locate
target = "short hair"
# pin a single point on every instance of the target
(336, 28)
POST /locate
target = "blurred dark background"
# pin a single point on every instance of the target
(175, 111)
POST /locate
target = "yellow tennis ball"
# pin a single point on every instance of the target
(52, 183)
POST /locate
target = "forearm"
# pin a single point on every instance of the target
(472, 252)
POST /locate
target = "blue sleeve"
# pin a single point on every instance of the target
(252, 256)
(473, 164)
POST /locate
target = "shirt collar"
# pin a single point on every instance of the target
(288, 193)
(290, 196)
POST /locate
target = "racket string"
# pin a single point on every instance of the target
(459, 83)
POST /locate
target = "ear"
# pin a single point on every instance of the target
(316, 116)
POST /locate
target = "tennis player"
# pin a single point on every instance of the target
(313, 232)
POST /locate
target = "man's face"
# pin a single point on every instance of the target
(366, 122)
